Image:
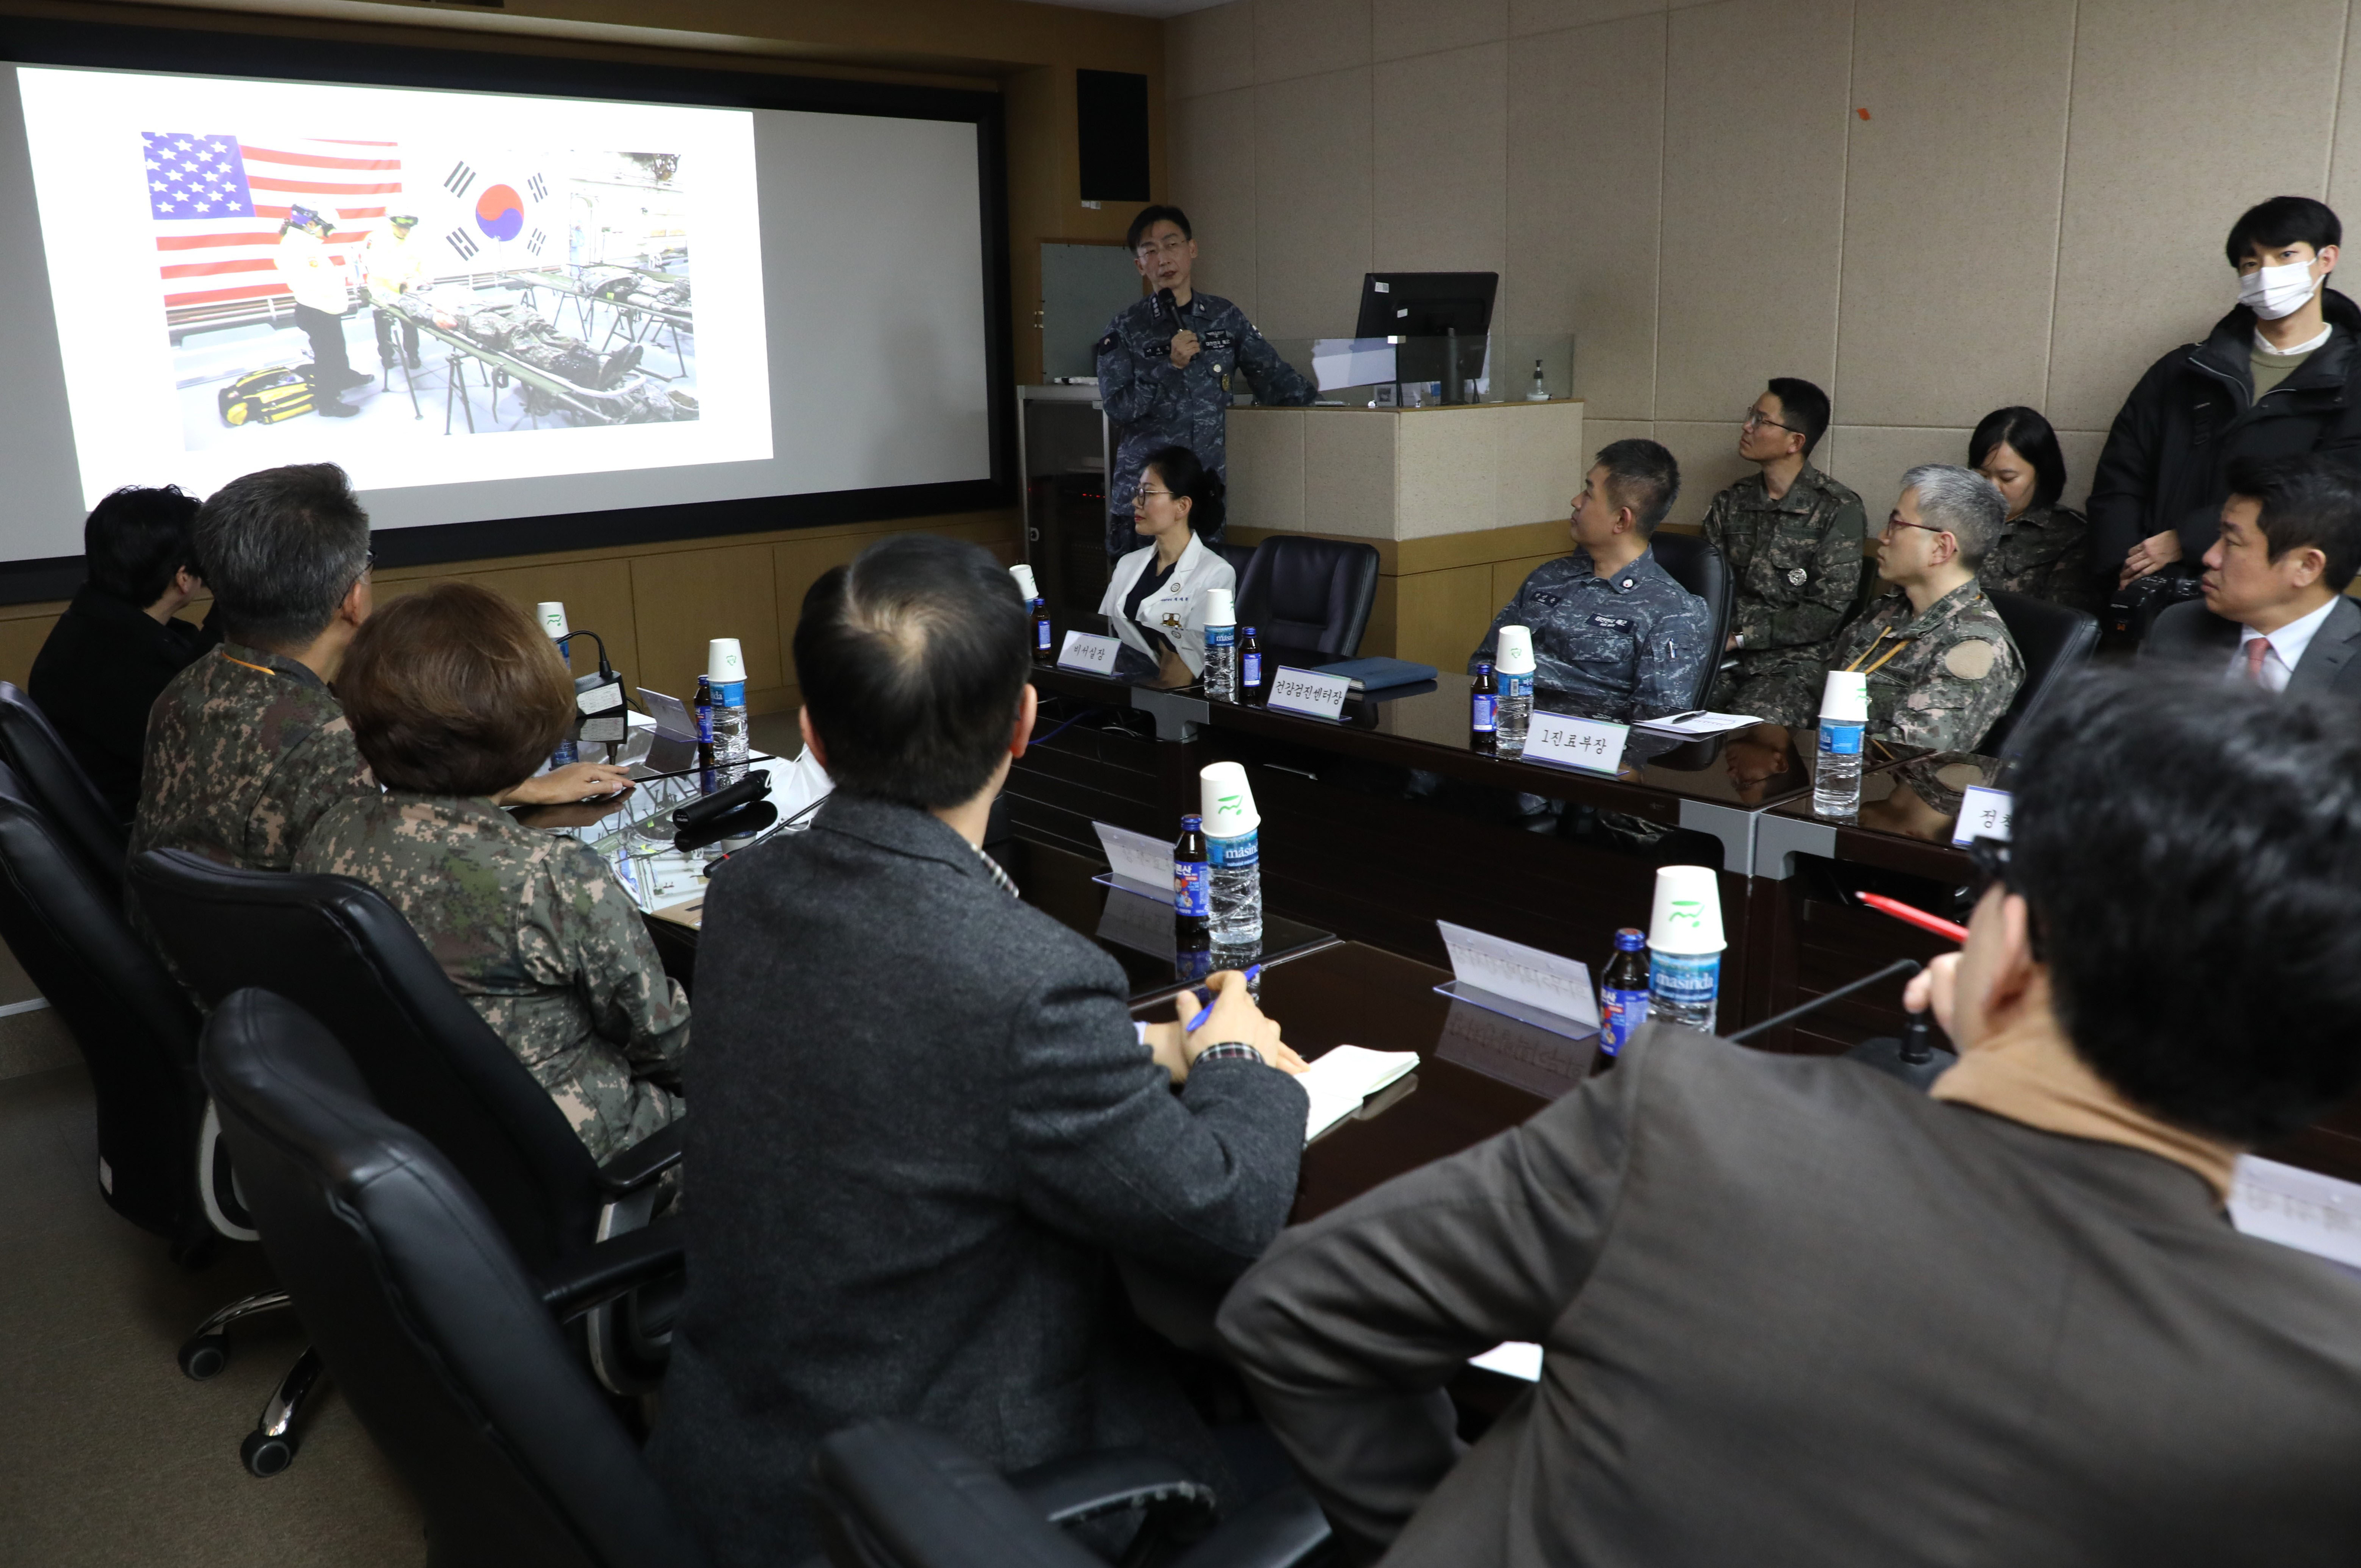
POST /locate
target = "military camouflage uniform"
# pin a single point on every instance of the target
(1153, 405)
(542, 941)
(246, 750)
(1956, 671)
(1795, 567)
(1628, 646)
(2046, 553)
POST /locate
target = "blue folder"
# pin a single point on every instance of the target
(1378, 674)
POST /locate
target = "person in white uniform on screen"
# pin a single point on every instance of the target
(1157, 596)
(316, 279)
(392, 264)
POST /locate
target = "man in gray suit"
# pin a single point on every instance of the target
(1792, 1312)
(2274, 613)
(927, 1122)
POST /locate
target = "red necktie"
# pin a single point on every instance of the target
(2256, 651)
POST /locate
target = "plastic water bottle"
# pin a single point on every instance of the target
(726, 670)
(1514, 663)
(1623, 991)
(1220, 646)
(1684, 945)
(1233, 855)
(1836, 774)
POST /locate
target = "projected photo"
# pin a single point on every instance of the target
(404, 289)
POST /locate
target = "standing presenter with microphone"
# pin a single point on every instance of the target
(1166, 366)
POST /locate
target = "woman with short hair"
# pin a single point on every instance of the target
(455, 697)
(1156, 594)
(2044, 549)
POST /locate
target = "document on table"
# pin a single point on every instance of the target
(1343, 1077)
(1695, 724)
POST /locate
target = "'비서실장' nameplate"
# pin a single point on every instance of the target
(1983, 813)
(1511, 970)
(1310, 693)
(1591, 744)
(1140, 863)
(1092, 654)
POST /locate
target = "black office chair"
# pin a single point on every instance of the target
(30, 744)
(1301, 592)
(2054, 642)
(1698, 567)
(1239, 556)
(452, 1355)
(333, 947)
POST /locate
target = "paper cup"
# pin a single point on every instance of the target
(1513, 655)
(1688, 917)
(552, 615)
(1226, 802)
(1845, 698)
(1025, 583)
(1221, 610)
(723, 662)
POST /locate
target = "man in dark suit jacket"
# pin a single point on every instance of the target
(2274, 613)
(1792, 1312)
(118, 645)
(926, 1122)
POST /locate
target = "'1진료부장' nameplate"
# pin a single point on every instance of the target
(1092, 654)
(1310, 693)
(1591, 744)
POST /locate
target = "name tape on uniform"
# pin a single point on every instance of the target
(1310, 693)
(1091, 654)
(1983, 813)
(1591, 744)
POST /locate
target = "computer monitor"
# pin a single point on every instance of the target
(1423, 308)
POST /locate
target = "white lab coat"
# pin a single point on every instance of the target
(1177, 608)
(312, 275)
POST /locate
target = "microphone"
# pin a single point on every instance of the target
(1168, 310)
(1914, 1059)
(1900, 969)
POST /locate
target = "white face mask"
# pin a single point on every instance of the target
(2272, 292)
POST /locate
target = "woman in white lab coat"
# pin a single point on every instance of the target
(1156, 596)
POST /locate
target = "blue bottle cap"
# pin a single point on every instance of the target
(1630, 940)
(1191, 823)
(1482, 665)
(1250, 631)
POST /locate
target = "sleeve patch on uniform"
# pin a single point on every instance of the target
(1972, 660)
(1109, 341)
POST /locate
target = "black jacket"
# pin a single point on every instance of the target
(2166, 460)
(102, 669)
(922, 1126)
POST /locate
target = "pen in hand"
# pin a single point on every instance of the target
(1205, 999)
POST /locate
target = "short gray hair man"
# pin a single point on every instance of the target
(1963, 503)
(281, 549)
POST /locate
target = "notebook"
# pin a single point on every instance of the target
(1343, 1077)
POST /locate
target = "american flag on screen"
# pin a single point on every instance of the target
(218, 203)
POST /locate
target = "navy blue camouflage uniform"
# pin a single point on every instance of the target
(1152, 404)
(1625, 648)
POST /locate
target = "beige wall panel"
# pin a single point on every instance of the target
(1377, 636)
(2160, 161)
(1348, 474)
(1402, 28)
(597, 596)
(1710, 462)
(19, 641)
(683, 601)
(1304, 37)
(1440, 616)
(1441, 165)
(1871, 459)
(1952, 192)
(1312, 203)
(2345, 158)
(1586, 166)
(1545, 452)
(1213, 182)
(1265, 451)
(1209, 52)
(1599, 432)
(1548, 16)
(2080, 449)
(1750, 261)
(1449, 465)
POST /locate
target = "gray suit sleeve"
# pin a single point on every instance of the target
(1348, 1329)
(1199, 1183)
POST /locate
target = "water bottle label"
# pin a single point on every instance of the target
(1253, 663)
(1840, 739)
(1685, 980)
(1189, 888)
(1221, 636)
(1483, 720)
(729, 693)
(1517, 685)
(1620, 1012)
(1233, 854)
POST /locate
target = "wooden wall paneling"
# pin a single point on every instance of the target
(597, 596)
(682, 600)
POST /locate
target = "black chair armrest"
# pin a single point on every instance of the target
(892, 1491)
(1067, 1491)
(644, 1161)
(572, 1285)
(1278, 1529)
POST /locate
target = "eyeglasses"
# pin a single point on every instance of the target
(368, 559)
(1756, 417)
(1988, 862)
(1173, 246)
(1144, 493)
(1896, 522)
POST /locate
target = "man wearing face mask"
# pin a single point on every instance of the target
(2278, 376)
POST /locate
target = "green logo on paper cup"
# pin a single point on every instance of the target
(1689, 912)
